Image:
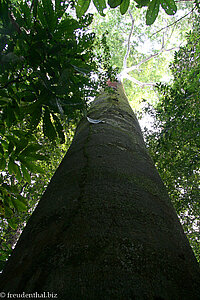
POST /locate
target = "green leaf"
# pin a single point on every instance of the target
(48, 128)
(2, 164)
(18, 173)
(141, 3)
(48, 6)
(26, 175)
(169, 6)
(10, 116)
(8, 212)
(12, 167)
(13, 223)
(35, 117)
(1, 149)
(59, 8)
(81, 70)
(19, 133)
(67, 26)
(114, 3)
(36, 157)
(32, 167)
(124, 6)
(152, 12)
(4, 101)
(59, 128)
(10, 147)
(13, 141)
(81, 7)
(49, 14)
(31, 148)
(4, 144)
(20, 146)
(100, 6)
(19, 205)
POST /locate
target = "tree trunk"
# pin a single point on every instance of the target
(105, 227)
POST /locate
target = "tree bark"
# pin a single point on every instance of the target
(105, 227)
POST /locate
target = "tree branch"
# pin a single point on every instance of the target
(136, 67)
(142, 84)
(124, 74)
(129, 41)
(173, 22)
(142, 62)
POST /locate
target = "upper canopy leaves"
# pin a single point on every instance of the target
(152, 12)
(100, 6)
(81, 7)
(124, 6)
(114, 3)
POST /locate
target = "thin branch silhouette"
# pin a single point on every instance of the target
(173, 22)
(129, 41)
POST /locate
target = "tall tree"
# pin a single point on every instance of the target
(105, 228)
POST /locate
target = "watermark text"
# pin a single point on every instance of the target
(23, 295)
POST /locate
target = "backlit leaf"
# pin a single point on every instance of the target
(8, 212)
(18, 173)
(31, 148)
(141, 3)
(124, 6)
(12, 167)
(114, 3)
(81, 7)
(49, 13)
(32, 167)
(13, 223)
(19, 205)
(152, 12)
(48, 128)
(26, 174)
(10, 147)
(169, 6)
(100, 6)
(59, 129)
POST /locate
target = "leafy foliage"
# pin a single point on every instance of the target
(45, 55)
(174, 145)
(169, 7)
(32, 191)
(32, 89)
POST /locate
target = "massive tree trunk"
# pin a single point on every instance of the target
(105, 227)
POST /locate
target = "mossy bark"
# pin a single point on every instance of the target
(105, 227)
